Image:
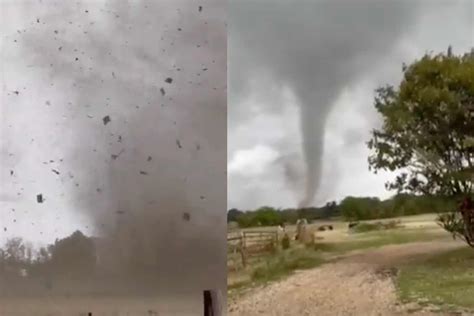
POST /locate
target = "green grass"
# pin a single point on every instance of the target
(378, 239)
(376, 226)
(446, 279)
(238, 285)
(273, 268)
(283, 264)
(269, 268)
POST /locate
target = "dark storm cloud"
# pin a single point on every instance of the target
(314, 48)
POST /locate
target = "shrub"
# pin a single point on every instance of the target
(321, 246)
(285, 264)
(367, 227)
(285, 242)
(392, 224)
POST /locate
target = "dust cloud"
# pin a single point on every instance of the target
(128, 100)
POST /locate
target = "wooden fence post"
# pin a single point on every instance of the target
(243, 254)
(243, 247)
(212, 303)
(258, 241)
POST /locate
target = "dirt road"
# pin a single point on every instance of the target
(100, 306)
(358, 284)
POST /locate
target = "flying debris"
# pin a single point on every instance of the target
(114, 157)
(55, 171)
(39, 198)
(149, 158)
(144, 173)
(186, 216)
(106, 119)
(179, 144)
(11, 172)
(162, 91)
(169, 80)
(200, 8)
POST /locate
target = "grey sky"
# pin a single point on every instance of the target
(301, 82)
(65, 67)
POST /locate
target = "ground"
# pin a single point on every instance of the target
(104, 296)
(359, 284)
(100, 306)
(364, 281)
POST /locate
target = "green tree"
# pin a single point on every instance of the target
(360, 208)
(289, 216)
(268, 216)
(245, 220)
(74, 254)
(428, 127)
(15, 251)
(233, 215)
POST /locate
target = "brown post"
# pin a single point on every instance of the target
(212, 303)
(243, 252)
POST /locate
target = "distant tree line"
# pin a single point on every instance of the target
(350, 209)
(269, 216)
(74, 254)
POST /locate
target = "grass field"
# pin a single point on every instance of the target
(274, 267)
(446, 279)
(334, 243)
(377, 239)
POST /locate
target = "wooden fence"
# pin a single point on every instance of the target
(251, 243)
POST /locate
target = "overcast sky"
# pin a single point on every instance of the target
(302, 76)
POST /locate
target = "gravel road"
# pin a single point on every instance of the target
(357, 284)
